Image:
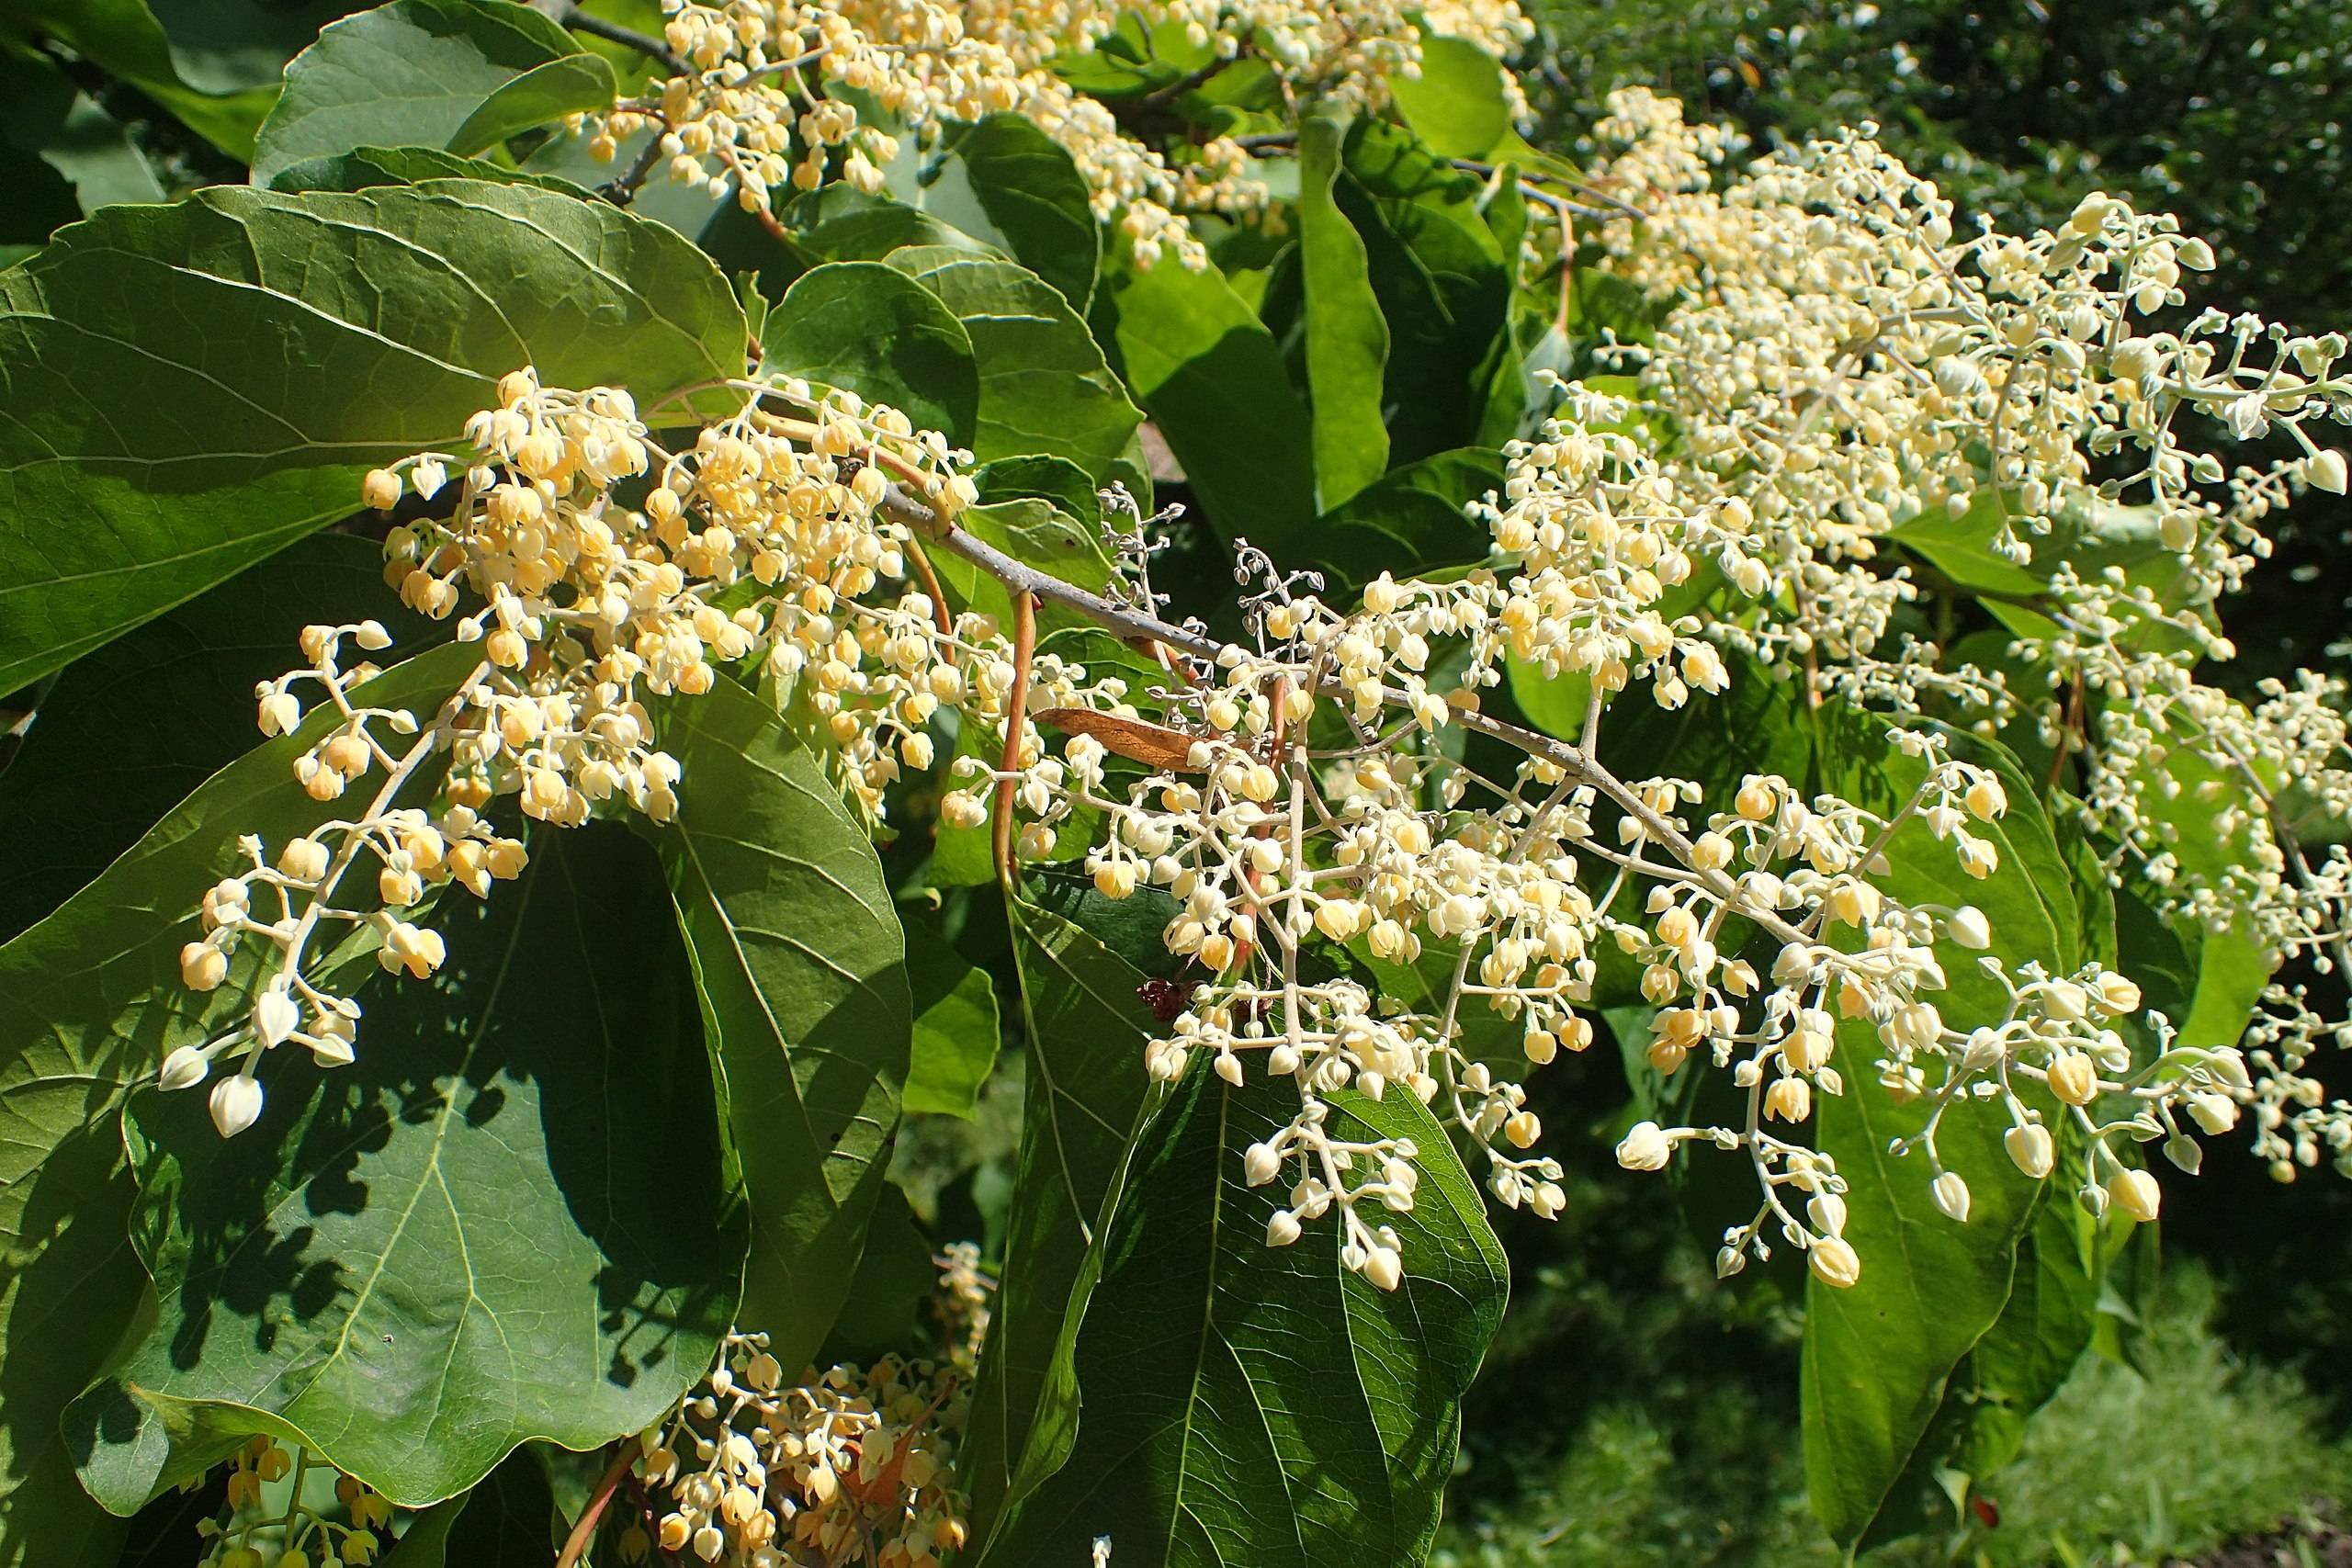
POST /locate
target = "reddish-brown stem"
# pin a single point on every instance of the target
(2069, 733)
(945, 622)
(1024, 647)
(575, 1545)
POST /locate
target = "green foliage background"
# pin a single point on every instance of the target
(822, 1036)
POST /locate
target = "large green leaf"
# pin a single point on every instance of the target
(1346, 340)
(1878, 1356)
(2042, 1332)
(195, 386)
(509, 1518)
(1085, 1098)
(459, 75)
(1252, 1404)
(509, 1218)
(1441, 278)
(1003, 180)
(956, 1030)
(1043, 386)
(802, 969)
(839, 222)
(894, 1279)
(884, 336)
(90, 1000)
(362, 168)
(227, 46)
(127, 731)
(1214, 379)
(1456, 102)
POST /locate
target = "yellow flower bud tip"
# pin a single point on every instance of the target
(202, 966)
(2073, 1078)
(382, 489)
(2135, 1193)
(1645, 1149)
(1834, 1262)
(1950, 1194)
(2031, 1149)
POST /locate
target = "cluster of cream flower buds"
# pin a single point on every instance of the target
(1314, 823)
(761, 107)
(854, 1464)
(586, 607)
(287, 905)
(250, 1534)
(1848, 368)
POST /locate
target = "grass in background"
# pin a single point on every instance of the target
(2119, 1469)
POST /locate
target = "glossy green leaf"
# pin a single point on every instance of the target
(1346, 340)
(115, 745)
(460, 74)
(2053, 1306)
(1412, 518)
(1457, 103)
(509, 1218)
(1878, 1356)
(1055, 479)
(883, 1313)
(199, 385)
(802, 969)
(1441, 277)
(1006, 182)
(1045, 388)
(1249, 1404)
(90, 1000)
(1086, 1095)
(509, 1516)
(362, 168)
(882, 335)
(542, 95)
(956, 1031)
(838, 222)
(1212, 377)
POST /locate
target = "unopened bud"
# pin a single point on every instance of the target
(1951, 1196)
(1834, 1262)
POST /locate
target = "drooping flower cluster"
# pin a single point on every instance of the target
(265, 1524)
(1317, 827)
(1356, 890)
(1857, 371)
(597, 573)
(853, 1464)
(760, 108)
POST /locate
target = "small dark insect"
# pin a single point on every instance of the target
(388, 1338)
(1988, 1512)
(1164, 997)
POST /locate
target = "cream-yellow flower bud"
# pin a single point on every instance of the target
(2072, 1078)
(202, 966)
(2135, 1193)
(1834, 1261)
